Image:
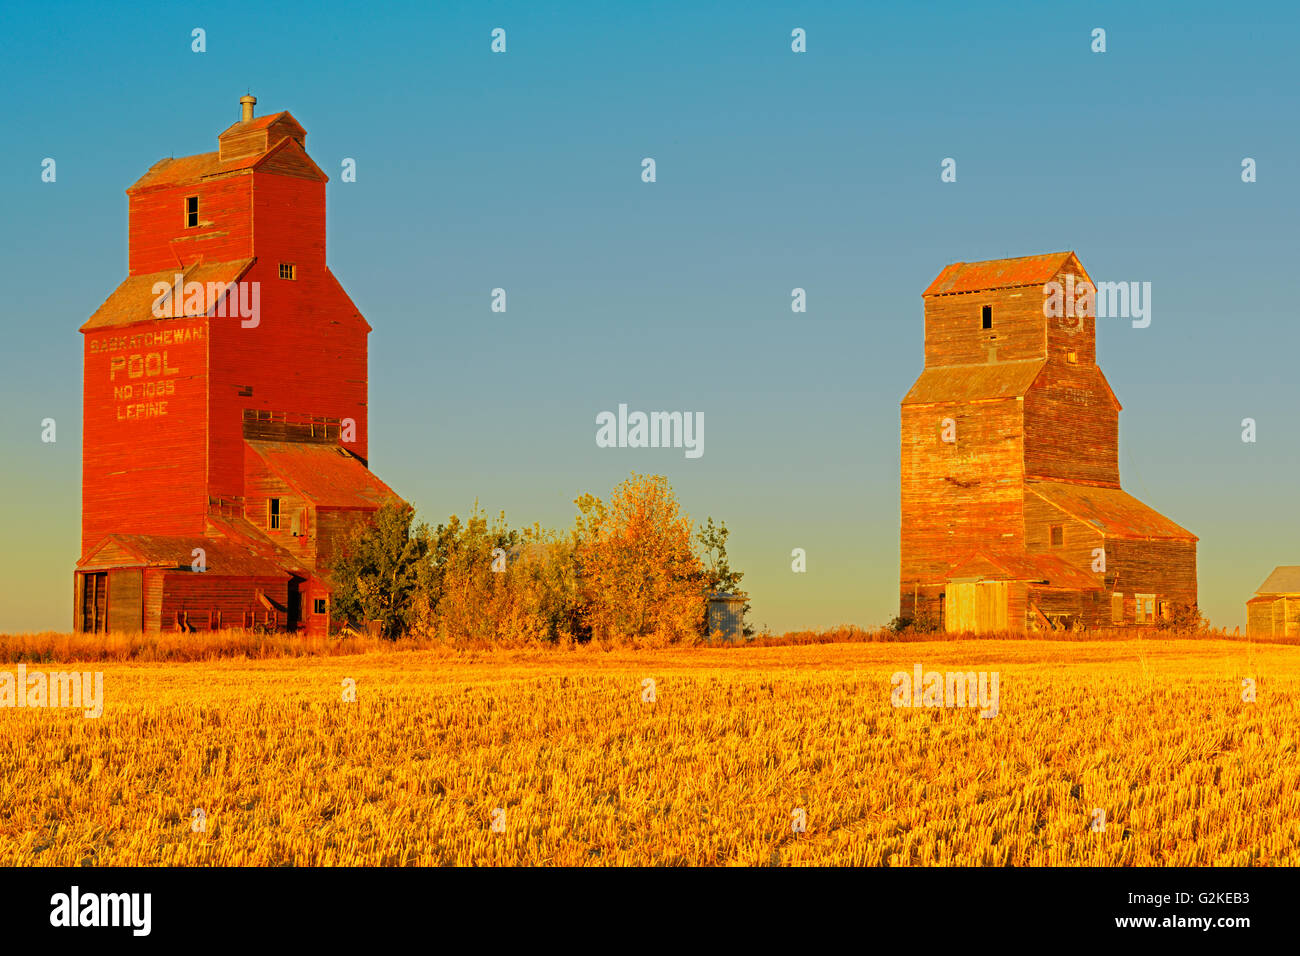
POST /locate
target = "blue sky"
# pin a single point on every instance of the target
(775, 170)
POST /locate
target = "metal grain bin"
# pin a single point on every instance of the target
(726, 616)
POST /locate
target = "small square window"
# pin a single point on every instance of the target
(1057, 533)
(318, 606)
(986, 316)
(191, 211)
(288, 270)
(273, 513)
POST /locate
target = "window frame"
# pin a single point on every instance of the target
(1052, 532)
(192, 214)
(273, 514)
(292, 271)
(986, 317)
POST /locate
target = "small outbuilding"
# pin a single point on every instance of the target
(727, 615)
(1274, 611)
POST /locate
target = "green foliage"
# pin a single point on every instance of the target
(718, 573)
(382, 572)
(921, 624)
(627, 570)
(1181, 617)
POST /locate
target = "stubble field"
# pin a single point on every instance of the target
(554, 757)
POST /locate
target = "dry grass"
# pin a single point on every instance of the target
(53, 646)
(1153, 732)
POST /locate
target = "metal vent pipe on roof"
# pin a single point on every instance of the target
(246, 104)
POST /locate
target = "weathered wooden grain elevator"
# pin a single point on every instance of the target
(224, 454)
(1012, 513)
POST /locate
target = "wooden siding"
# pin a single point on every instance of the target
(153, 597)
(1076, 333)
(980, 607)
(954, 334)
(333, 526)
(1079, 540)
(1071, 426)
(1166, 569)
(125, 600)
(261, 485)
(307, 357)
(959, 497)
(160, 239)
(144, 413)
(200, 597)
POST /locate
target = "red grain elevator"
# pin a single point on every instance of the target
(224, 450)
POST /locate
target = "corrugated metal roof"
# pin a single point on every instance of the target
(1045, 569)
(133, 300)
(224, 557)
(1113, 512)
(997, 273)
(961, 383)
(1285, 579)
(327, 475)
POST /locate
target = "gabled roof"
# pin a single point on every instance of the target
(328, 476)
(1000, 273)
(1114, 513)
(964, 383)
(1285, 579)
(184, 169)
(262, 122)
(1044, 570)
(133, 300)
(243, 531)
(224, 557)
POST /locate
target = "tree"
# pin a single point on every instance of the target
(383, 573)
(718, 573)
(639, 577)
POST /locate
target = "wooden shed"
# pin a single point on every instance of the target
(1010, 457)
(1274, 611)
(224, 399)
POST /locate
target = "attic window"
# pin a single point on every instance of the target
(191, 211)
(1057, 535)
(986, 316)
(1072, 358)
(288, 270)
(273, 513)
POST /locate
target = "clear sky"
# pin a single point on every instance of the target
(775, 170)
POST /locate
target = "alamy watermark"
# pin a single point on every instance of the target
(102, 909)
(1105, 300)
(179, 299)
(82, 689)
(653, 430)
(924, 688)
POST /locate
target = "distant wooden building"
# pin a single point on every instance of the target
(1274, 611)
(224, 454)
(1012, 511)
